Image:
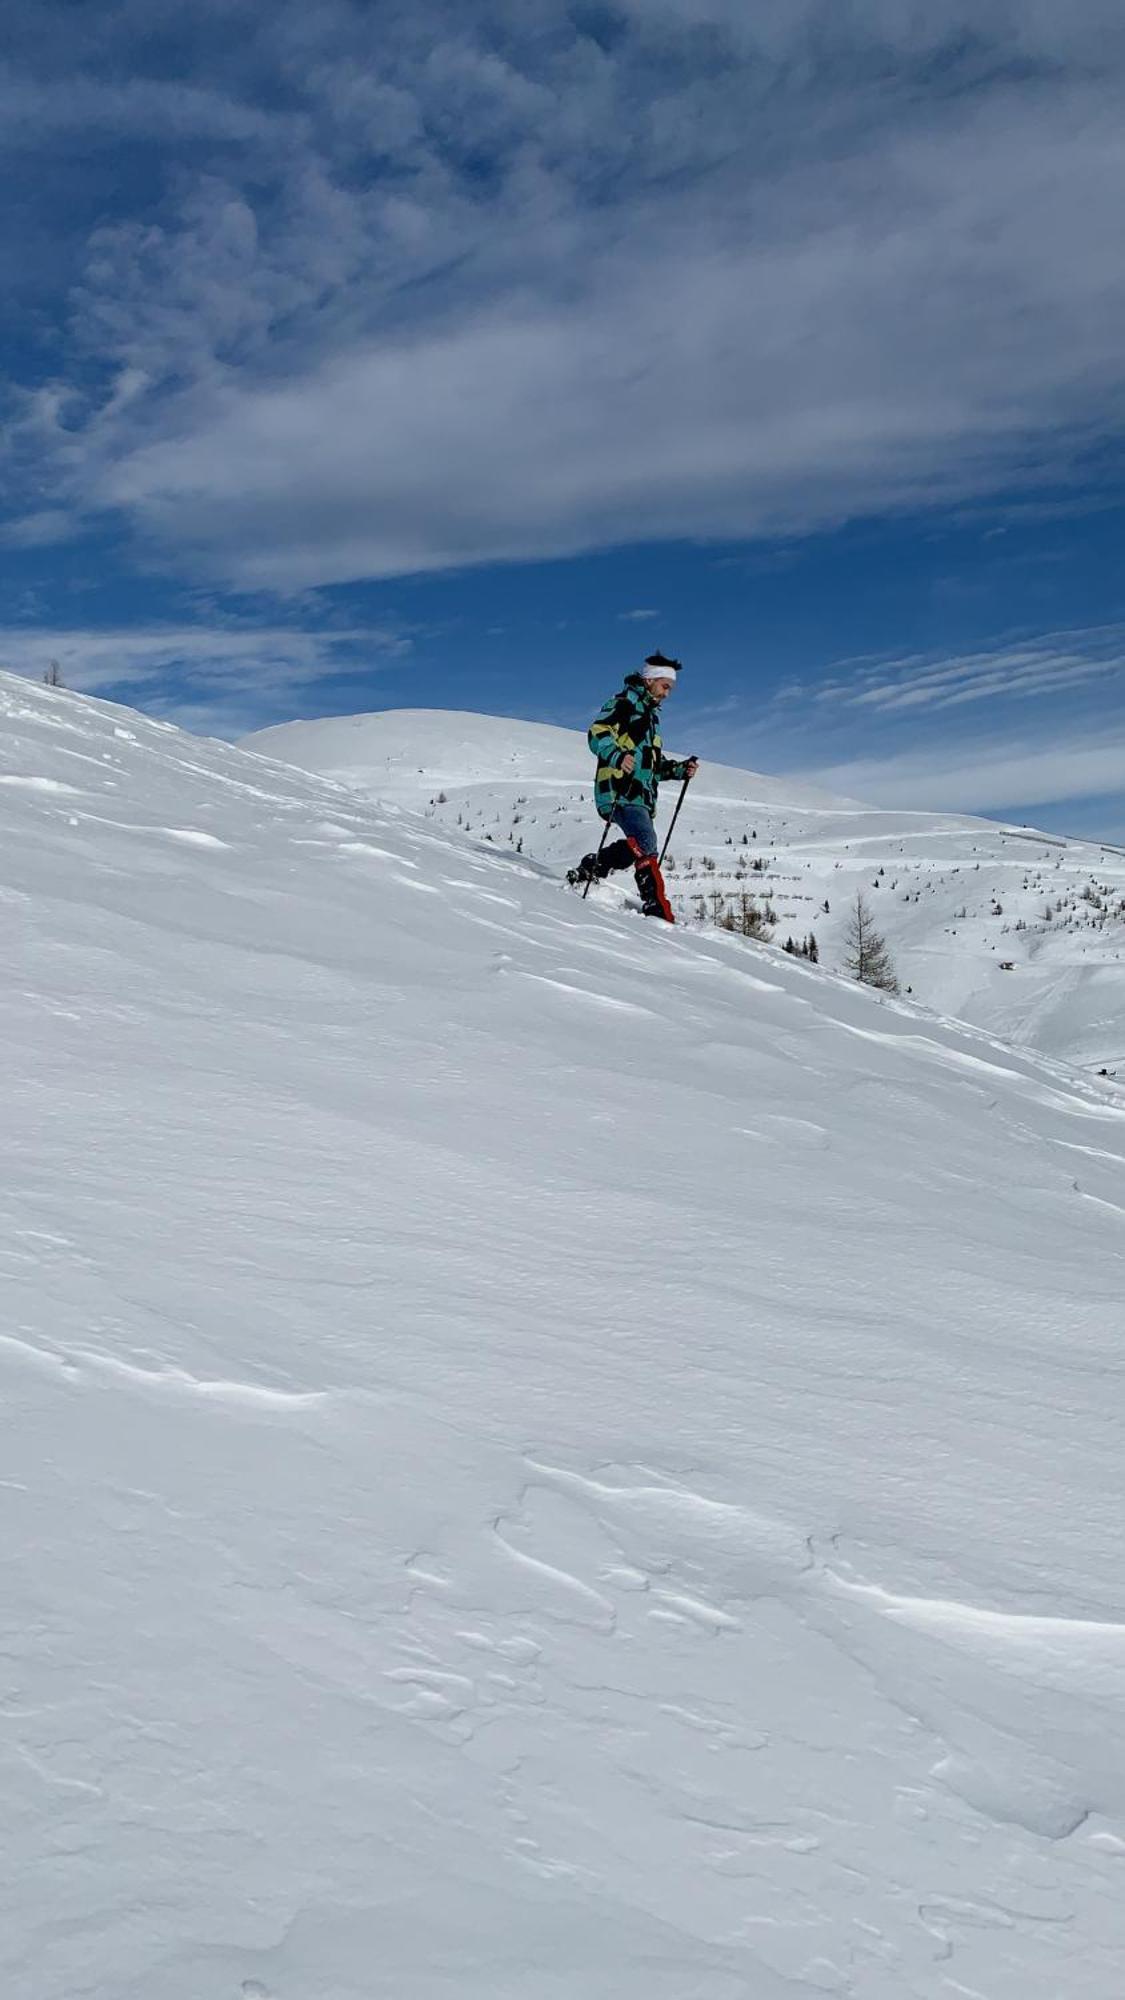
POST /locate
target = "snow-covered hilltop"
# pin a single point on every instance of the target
(1018, 932)
(547, 1457)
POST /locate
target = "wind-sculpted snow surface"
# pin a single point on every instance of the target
(546, 1459)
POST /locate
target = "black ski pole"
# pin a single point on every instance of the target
(597, 858)
(675, 817)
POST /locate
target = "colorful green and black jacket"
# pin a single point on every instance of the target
(630, 721)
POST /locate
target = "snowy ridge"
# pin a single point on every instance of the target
(552, 1459)
(402, 753)
(1020, 933)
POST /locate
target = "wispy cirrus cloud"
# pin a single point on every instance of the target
(38, 530)
(989, 775)
(1052, 664)
(414, 291)
(216, 678)
(1024, 723)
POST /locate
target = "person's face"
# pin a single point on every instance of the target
(659, 690)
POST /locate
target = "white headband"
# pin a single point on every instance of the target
(661, 673)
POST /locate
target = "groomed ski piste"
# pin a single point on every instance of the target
(546, 1457)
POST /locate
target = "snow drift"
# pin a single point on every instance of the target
(547, 1459)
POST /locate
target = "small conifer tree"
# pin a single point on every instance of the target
(753, 922)
(867, 957)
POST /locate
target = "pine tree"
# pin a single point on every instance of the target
(867, 956)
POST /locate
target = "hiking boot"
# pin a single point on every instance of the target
(586, 871)
(595, 867)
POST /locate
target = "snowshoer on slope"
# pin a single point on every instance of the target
(625, 739)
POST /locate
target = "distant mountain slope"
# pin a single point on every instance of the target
(404, 752)
(547, 1458)
(1018, 932)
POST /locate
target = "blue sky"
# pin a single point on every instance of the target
(457, 353)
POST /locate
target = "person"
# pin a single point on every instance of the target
(625, 738)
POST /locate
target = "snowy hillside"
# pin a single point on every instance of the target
(548, 1457)
(1017, 932)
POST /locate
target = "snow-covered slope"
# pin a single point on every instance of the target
(1017, 932)
(402, 753)
(547, 1458)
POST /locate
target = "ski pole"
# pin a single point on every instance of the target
(675, 817)
(601, 844)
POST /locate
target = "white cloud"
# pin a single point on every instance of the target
(38, 530)
(1051, 664)
(770, 406)
(508, 292)
(1029, 722)
(986, 776)
(38, 114)
(219, 679)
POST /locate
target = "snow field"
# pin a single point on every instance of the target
(548, 1458)
(1020, 933)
